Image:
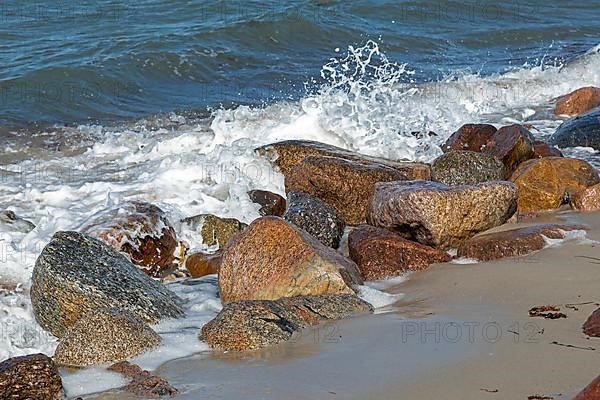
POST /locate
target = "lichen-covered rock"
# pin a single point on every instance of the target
(143, 383)
(287, 154)
(591, 391)
(582, 131)
(316, 217)
(345, 185)
(512, 144)
(201, 264)
(592, 324)
(461, 167)
(105, 335)
(11, 222)
(546, 183)
(513, 242)
(473, 137)
(542, 149)
(587, 199)
(249, 325)
(438, 215)
(578, 101)
(31, 377)
(76, 273)
(381, 254)
(270, 203)
(215, 230)
(273, 258)
(139, 229)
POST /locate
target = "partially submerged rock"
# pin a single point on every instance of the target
(587, 199)
(512, 144)
(270, 203)
(201, 264)
(76, 273)
(582, 131)
(9, 221)
(473, 137)
(215, 230)
(461, 167)
(143, 383)
(592, 324)
(438, 215)
(578, 101)
(31, 377)
(273, 258)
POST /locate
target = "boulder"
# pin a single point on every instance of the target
(473, 137)
(542, 149)
(201, 264)
(512, 144)
(438, 215)
(287, 154)
(316, 217)
(270, 203)
(140, 230)
(592, 324)
(250, 325)
(591, 391)
(273, 258)
(546, 183)
(143, 384)
(105, 335)
(587, 199)
(381, 254)
(31, 377)
(215, 230)
(513, 242)
(582, 131)
(11, 222)
(345, 185)
(76, 273)
(462, 167)
(578, 101)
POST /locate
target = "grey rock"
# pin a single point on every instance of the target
(463, 167)
(31, 377)
(10, 222)
(583, 131)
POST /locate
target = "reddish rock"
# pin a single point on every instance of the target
(591, 391)
(31, 377)
(511, 243)
(201, 264)
(270, 203)
(587, 199)
(542, 149)
(472, 137)
(592, 325)
(143, 383)
(382, 254)
(512, 144)
(578, 101)
(139, 229)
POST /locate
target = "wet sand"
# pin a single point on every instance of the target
(461, 331)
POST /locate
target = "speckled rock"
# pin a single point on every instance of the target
(270, 203)
(438, 215)
(513, 242)
(578, 101)
(31, 377)
(201, 264)
(587, 199)
(287, 154)
(583, 131)
(546, 183)
(591, 391)
(105, 335)
(215, 230)
(462, 167)
(512, 144)
(76, 273)
(11, 222)
(316, 217)
(273, 258)
(139, 229)
(473, 137)
(249, 325)
(381, 254)
(345, 185)
(542, 149)
(143, 383)
(592, 324)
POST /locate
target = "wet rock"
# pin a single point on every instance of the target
(271, 203)
(546, 183)
(76, 273)
(583, 131)
(578, 101)
(512, 243)
(473, 137)
(11, 222)
(316, 217)
(287, 154)
(201, 264)
(438, 215)
(381, 254)
(591, 391)
(31, 377)
(542, 149)
(462, 167)
(139, 229)
(587, 199)
(592, 325)
(512, 144)
(215, 230)
(273, 258)
(345, 185)
(105, 335)
(143, 383)
(249, 325)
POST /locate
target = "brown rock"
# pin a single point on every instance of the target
(382, 254)
(578, 101)
(273, 258)
(139, 229)
(592, 325)
(287, 154)
(438, 215)
(142, 383)
(201, 264)
(587, 199)
(215, 230)
(31, 377)
(345, 185)
(591, 391)
(542, 149)
(271, 203)
(511, 243)
(512, 144)
(472, 137)
(546, 183)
